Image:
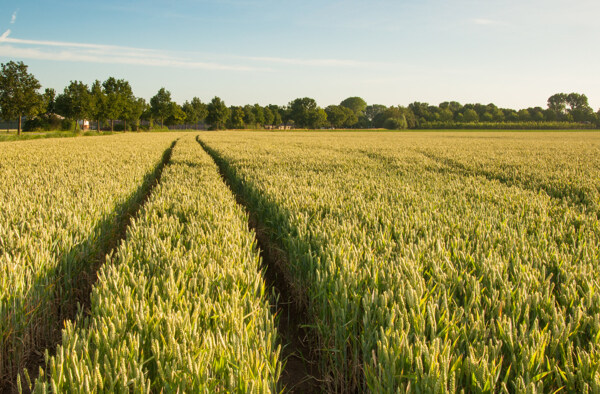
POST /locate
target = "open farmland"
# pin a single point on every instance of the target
(62, 203)
(425, 262)
(181, 305)
(421, 274)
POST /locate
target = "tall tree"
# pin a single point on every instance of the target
(18, 93)
(356, 104)
(339, 116)
(160, 105)
(317, 118)
(236, 118)
(402, 118)
(422, 111)
(537, 114)
(305, 113)
(579, 109)
(195, 111)
(269, 117)
(98, 103)
(445, 114)
(218, 113)
(470, 115)
(75, 102)
(199, 108)
(453, 106)
(176, 115)
(259, 115)
(49, 100)
(118, 97)
(524, 115)
(276, 111)
(509, 114)
(134, 112)
(557, 103)
(396, 123)
(373, 110)
(249, 117)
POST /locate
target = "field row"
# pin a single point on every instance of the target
(180, 306)
(428, 262)
(421, 278)
(62, 203)
(562, 166)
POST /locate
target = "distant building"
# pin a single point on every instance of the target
(278, 127)
(84, 124)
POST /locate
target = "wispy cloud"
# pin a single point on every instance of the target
(115, 54)
(13, 18)
(98, 53)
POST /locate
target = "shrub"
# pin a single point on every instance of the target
(395, 123)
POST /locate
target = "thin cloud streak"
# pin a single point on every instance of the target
(72, 44)
(72, 56)
(13, 18)
(107, 54)
(102, 53)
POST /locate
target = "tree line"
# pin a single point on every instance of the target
(113, 100)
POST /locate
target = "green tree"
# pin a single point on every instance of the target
(259, 115)
(317, 119)
(98, 103)
(351, 118)
(453, 106)
(557, 105)
(487, 117)
(277, 114)
(236, 119)
(249, 118)
(395, 123)
(75, 102)
(218, 113)
(399, 114)
(524, 115)
(18, 93)
(269, 117)
(579, 108)
(118, 97)
(537, 114)
(335, 115)
(49, 101)
(498, 115)
(305, 113)
(134, 112)
(470, 115)
(511, 115)
(445, 114)
(356, 104)
(160, 105)
(176, 115)
(373, 111)
(423, 111)
(339, 116)
(195, 111)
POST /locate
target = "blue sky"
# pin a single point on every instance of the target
(512, 53)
